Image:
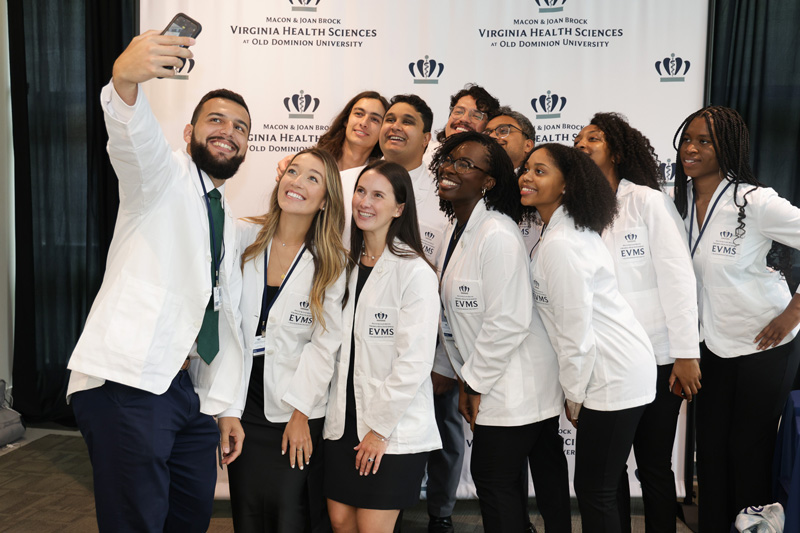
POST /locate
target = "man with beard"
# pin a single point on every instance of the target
(161, 352)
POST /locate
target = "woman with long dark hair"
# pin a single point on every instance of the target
(748, 315)
(606, 363)
(651, 259)
(495, 340)
(380, 413)
(292, 287)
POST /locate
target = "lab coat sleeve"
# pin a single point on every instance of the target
(777, 218)
(677, 286)
(310, 381)
(505, 283)
(139, 152)
(569, 278)
(415, 343)
(441, 362)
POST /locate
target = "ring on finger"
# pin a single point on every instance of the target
(371, 459)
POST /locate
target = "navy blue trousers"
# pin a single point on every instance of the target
(153, 456)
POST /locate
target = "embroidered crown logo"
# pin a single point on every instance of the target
(429, 235)
(630, 237)
(725, 234)
(381, 316)
(304, 305)
(463, 289)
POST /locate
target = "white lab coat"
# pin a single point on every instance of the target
(394, 328)
(738, 294)
(605, 358)
(299, 354)
(654, 271)
(498, 344)
(146, 316)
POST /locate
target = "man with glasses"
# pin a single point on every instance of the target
(514, 132)
(471, 108)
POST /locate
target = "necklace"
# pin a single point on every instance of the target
(364, 253)
(281, 265)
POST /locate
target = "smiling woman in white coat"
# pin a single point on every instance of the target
(293, 283)
(380, 424)
(748, 316)
(495, 340)
(651, 259)
(606, 363)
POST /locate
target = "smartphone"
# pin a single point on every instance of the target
(182, 25)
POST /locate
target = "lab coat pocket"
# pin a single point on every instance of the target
(742, 308)
(467, 296)
(631, 247)
(134, 313)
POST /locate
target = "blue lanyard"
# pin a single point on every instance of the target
(705, 222)
(217, 261)
(266, 306)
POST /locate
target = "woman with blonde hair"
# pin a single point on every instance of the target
(292, 287)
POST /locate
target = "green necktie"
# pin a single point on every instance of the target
(208, 338)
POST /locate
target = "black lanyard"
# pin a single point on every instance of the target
(266, 306)
(705, 222)
(454, 238)
(217, 261)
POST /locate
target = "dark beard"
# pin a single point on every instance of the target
(215, 168)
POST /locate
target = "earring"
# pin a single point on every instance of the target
(322, 208)
(483, 191)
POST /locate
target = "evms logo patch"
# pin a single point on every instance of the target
(304, 105)
(381, 324)
(548, 105)
(632, 246)
(539, 294)
(672, 69)
(298, 312)
(467, 297)
(426, 70)
(431, 241)
(724, 247)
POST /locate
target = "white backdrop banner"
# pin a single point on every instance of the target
(297, 62)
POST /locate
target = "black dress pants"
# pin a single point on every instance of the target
(603, 444)
(652, 446)
(738, 410)
(498, 468)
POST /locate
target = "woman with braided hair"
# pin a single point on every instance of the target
(651, 260)
(748, 317)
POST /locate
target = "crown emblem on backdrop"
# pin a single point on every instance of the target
(550, 6)
(426, 70)
(672, 68)
(304, 5)
(548, 105)
(667, 170)
(301, 105)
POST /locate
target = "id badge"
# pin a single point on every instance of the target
(448, 334)
(217, 293)
(258, 345)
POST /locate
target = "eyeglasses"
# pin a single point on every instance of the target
(461, 165)
(503, 131)
(474, 114)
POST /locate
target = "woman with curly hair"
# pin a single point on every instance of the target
(648, 244)
(748, 315)
(292, 286)
(606, 363)
(495, 340)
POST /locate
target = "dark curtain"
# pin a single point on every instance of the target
(756, 70)
(66, 193)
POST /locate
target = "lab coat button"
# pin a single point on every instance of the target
(270, 351)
